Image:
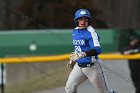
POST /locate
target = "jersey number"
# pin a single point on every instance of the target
(78, 49)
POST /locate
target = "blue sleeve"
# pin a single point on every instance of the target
(94, 40)
(98, 50)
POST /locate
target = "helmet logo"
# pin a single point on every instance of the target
(83, 12)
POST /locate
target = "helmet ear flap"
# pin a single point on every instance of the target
(89, 21)
(76, 22)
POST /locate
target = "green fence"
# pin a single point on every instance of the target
(47, 42)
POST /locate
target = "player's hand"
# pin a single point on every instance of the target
(126, 52)
(71, 64)
(76, 56)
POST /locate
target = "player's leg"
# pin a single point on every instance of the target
(134, 73)
(96, 77)
(75, 78)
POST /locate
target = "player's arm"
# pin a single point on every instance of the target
(95, 45)
(93, 52)
(131, 51)
(128, 50)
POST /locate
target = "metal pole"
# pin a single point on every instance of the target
(2, 78)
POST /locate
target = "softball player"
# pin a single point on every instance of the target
(84, 60)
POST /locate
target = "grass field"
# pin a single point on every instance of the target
(45, 81)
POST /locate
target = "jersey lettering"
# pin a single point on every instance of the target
(79, 42)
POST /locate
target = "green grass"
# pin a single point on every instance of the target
(46, 81)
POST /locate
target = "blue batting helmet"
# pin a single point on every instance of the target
(82, 13)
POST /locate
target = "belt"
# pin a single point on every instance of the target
(85, 65)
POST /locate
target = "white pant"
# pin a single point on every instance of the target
(95, 75)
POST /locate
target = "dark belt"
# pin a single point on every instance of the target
(85, 65)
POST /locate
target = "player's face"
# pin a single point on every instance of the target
(134, 42)
(83, 22)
